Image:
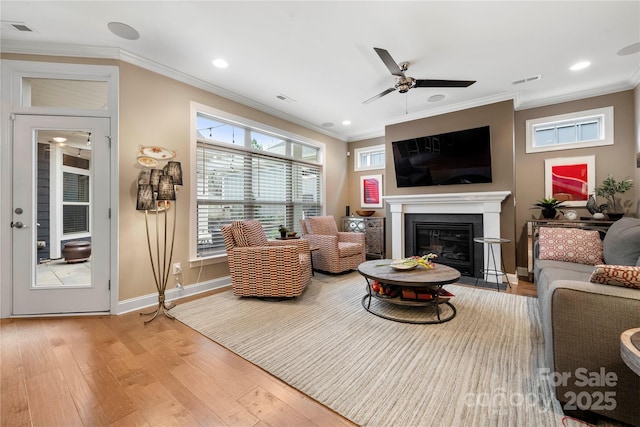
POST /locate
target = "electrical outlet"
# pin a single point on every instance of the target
(177, 268)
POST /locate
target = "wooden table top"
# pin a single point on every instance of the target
(380, 270)
(630, 349)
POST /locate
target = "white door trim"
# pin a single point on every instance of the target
(12, 73)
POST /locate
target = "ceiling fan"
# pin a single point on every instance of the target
(404, 83)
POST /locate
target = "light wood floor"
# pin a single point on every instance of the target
(114, 370)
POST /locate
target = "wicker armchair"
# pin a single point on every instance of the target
(339, 251)
(265, 268)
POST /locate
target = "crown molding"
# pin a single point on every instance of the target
(460, 106)
(575, 96)
(104, 52)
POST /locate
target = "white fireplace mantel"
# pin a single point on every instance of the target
(489, 204)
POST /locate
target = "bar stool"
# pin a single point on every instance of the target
(495, 271)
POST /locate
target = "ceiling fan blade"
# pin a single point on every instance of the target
(389, 62)
(380, 95)
(443, 83)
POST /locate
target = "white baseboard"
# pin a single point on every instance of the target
(523, 272)
(138, 303)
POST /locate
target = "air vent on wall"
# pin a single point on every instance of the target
(528, 79)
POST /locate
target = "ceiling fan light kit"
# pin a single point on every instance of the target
(404, 83)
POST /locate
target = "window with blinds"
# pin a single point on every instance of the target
(243, 173)
(75, 202)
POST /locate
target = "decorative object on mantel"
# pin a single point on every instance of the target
(571, 215)
(156, 190)
(608, 189)
(549, 207)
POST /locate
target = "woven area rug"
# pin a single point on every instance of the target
(482, 368)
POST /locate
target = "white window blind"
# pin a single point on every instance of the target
(236, 183)
(75, 195)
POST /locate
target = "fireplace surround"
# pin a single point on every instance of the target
(488, 204)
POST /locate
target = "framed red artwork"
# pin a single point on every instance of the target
(371, 191)
(570, 179)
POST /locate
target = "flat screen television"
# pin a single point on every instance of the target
(460, 157)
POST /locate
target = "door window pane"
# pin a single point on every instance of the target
(75, 219)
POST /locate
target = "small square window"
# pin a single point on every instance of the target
(369, 158)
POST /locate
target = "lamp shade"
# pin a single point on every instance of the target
(174, 170)
(166, 190)
(144, 177)
(155, 178)
(145, 197)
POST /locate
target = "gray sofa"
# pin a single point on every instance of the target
(582, 323)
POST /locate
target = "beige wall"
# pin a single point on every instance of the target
(513, 169)
(636, 103)
(617, 159)
(500, 117)
(354, 177)
(155, 110)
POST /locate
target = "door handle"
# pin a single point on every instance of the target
(18, 224)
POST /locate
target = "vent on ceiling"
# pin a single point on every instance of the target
(17, 26)
(285, 98)
(528, 79)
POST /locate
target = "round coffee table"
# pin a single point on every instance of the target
(419, 279)
(630, 349)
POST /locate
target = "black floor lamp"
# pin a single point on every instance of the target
(156, 191)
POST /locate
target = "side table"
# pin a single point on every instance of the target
(312, 249)
(496, 270)
(630, 349)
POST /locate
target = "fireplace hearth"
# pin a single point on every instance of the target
(450, 237)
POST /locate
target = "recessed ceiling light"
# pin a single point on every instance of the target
(123, 30)
(580, 65)
(435, 98)
(220, 63)
(346, 122)
(59, 139)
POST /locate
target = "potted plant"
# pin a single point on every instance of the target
(283, 231)
(609, 188)
(549, 207)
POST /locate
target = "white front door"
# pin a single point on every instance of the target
(61, 188)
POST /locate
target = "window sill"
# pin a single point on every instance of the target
(214, 259)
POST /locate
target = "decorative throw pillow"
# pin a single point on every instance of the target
(617, 275)
(570, 245)
(325, 225)
(239, 234)
(621, 244)
(255, 233)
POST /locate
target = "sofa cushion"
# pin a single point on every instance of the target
(346, 249)
(571, 245)
(621, 245)
(617, 275)
(551, 274)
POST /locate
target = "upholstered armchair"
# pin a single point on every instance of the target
(338, 251)
(265, 268)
